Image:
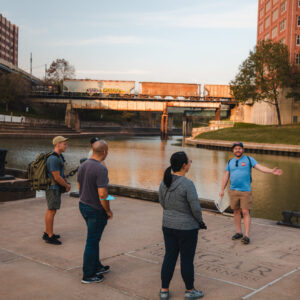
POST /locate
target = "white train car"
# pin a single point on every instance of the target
(107, 87)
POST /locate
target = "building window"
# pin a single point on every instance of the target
(274, 32)
(298, 3)
(282, 41)
(268, 5)
(275, 1)
(298, 20)
(283, 6)
(275, 15)
(295, 119)
(261, 28)
(267, 22)
(298, 40)
(267, 36)
(298, 59)
(261, 13)
(282, 25)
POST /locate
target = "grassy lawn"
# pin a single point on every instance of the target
(288, 134)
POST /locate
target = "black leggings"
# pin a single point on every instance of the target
(185, 243)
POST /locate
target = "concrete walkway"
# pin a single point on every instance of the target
(268, 268)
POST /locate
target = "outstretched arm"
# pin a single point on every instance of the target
(224, 183)
(274, 171)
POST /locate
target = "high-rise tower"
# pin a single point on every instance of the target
(279, 20)
(8, 41)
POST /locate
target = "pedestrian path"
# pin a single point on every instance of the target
(132, 244)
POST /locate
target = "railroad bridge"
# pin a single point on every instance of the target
(74, 103)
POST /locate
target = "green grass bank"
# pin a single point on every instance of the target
(288, 134)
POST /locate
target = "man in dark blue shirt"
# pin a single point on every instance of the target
(95, 209)
(55, 169)
(238, 170)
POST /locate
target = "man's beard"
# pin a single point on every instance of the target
(239, 154)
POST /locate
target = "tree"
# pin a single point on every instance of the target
(263, 75)
(13, 88)
(59, 70)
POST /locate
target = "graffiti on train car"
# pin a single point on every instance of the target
(136, 89)
(92, 91)
(112, 91)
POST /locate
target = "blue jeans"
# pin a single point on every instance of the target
(96, 221)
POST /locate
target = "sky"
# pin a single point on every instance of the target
(192, 41)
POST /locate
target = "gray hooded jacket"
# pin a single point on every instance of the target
(181, 205)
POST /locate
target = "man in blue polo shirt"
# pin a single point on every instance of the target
(238, 170)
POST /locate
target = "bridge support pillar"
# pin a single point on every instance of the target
(164, 125)
(72, 119)
(218, 114)
(187, 126)
(170, 121)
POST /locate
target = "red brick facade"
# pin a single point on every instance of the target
(9, 35)
(279, 20)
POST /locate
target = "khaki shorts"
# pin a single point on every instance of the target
(240, 199)
(53, 199)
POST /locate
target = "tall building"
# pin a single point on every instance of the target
(9, 34)
(279, 20)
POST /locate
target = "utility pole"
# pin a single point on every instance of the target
(31, 63)
(45, 72)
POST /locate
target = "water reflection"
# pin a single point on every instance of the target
(140, 162)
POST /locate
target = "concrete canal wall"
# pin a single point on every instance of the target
(20, 189)
(262, 148)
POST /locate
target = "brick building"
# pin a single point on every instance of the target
(9, 34)
(279, 20)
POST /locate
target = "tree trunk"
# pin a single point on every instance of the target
(277, 110)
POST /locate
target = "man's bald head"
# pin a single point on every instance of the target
(99, 148)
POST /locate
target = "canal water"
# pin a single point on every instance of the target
(141, 161)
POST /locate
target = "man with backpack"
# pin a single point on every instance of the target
(59, 185)
(238, 170)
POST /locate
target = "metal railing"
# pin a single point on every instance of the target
(140, 97)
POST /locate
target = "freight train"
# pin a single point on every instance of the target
(146, 90)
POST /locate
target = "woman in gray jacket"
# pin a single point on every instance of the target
(182, 218)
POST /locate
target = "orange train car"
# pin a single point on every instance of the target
(164, 89)
(217, 91)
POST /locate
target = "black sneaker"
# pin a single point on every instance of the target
(46, 236)
(93, 279)
(104, 269)
(237, 236)
(52, 240)
(245, 240)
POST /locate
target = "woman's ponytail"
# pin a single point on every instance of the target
(177, 160)
(168, 177)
